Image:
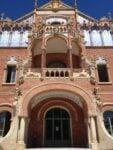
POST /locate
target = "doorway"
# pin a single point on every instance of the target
(57, 128)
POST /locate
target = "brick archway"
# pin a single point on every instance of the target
(61, 86)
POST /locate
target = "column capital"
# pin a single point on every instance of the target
(70, 47)
(43, 48)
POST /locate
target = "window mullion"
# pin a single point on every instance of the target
(110, 125)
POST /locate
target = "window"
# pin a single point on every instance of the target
(108, 121)
(102, 70)
(102, 73)
(4, 123)
(11, 74)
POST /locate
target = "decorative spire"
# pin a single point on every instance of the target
(2, 16)
(35, 5)
(109, 16)
(55, 1)
(75, 3)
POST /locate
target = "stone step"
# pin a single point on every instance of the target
(58, 149)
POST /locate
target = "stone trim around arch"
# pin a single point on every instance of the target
(6, 107)
(29, 95)
(57, 104)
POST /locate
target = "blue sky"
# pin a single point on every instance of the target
(94, 8)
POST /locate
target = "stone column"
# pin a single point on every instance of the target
(43, 62)
(70, 58)
(26, 129)
(21, 142)
(43, 59)
(93, 132)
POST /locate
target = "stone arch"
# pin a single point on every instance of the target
(57, 104)
(49, 37)
(37, 119)
(27, 98)
(81, 46)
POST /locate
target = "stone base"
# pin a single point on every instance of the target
(21, 145)
(94, 146)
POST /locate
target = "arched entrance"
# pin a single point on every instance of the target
(57, 128)
(57, 122)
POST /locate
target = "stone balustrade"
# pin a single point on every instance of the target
(56, 29)
(57, 72)
(61, 29)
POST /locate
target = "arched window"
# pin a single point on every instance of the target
(4, 40)
(107, 38)
(87, 37)
(15, 41)
(5, 118)
(102, 70)
(24, 41)
(108, 121)
(56, 64)
(95, 36)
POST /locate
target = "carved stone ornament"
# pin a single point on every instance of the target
(18, 93)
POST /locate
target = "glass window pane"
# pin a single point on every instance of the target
(66, 129)
(103, 73)
(48, 129)
(57, 129)
(15, 38)
(108, 121)
(11, 74)
(107, 38)
(25, 38)
(5, 38)
(57, 113)
(87, 37)
(65, 114)
(4, 123)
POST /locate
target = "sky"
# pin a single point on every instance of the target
(15, 9)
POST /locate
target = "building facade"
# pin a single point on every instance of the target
(56, 74)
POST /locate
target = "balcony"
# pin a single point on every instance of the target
(58, 29)
(56, 73)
